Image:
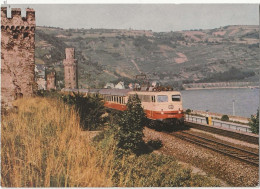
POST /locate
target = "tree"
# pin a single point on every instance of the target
(131, 125)
(254, 123)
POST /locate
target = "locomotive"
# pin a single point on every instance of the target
(159, 105)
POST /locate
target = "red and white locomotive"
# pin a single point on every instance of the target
(158, 105)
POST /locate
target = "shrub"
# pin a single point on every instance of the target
(188, 111)
(42, 145)
(254, 123)
(90, 108)
(131, 125)
(147, 170)
(155, 144)
(225, 118)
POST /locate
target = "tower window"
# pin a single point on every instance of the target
(26, 34)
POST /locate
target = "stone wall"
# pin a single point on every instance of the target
(70, 69)
(17, 55)
(51, 81)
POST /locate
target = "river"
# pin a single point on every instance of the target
(246, 101)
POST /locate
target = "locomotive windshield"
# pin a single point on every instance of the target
(176, 97)
(162, 98)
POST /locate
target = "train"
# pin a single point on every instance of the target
(163, 106)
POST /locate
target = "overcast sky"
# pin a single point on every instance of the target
(154, 17)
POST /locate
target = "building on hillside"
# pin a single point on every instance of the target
(120, 85)
(109, 86)
(17, 55)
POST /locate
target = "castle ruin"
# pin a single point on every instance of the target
(51, 80)
(17, 55)
(70, 69)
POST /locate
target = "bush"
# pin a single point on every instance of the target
(147, 170)
(131, 125)
(188, 111)
(42, 146)
(254, 123)
(225, 118)
(90, 108)
(155, 144)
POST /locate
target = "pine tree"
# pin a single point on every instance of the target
(131, 125)
(254, 123)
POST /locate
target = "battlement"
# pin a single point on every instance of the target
(16, 18)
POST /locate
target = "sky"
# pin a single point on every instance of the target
(155, 17)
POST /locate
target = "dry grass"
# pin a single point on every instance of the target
(42, 147)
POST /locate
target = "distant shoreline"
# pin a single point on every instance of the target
(207, 88)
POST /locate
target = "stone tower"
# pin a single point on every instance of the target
(70, 69)
(51, 80)
(17, 55)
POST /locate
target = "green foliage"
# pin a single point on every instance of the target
(142, 41)
(230, 75)
(225, 118)
(155, 144)
(49, 94)
(90, 108)
(254, 123)
(188, 111)
(147, 170)
(131, 125)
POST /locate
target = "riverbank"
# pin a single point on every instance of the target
(239, 119)
(201, 88)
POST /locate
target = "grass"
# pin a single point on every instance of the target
(42, 146)
(148, 169)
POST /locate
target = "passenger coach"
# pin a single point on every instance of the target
(158, 105)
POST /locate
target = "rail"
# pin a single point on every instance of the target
(217, 123)
(231, 151)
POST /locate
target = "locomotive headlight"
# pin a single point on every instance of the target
(170, 106)
(162, 111)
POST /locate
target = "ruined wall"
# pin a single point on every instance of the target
(17, 55)
(70, 69)
(51, 81)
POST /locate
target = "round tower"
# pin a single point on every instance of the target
(70, 69)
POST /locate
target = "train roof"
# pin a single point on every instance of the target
(118, 92)
(121, 92)
(155, 92)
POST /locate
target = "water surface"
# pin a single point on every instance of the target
(246, 101)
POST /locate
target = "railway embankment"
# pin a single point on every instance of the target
(231, 171)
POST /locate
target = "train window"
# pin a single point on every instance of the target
(146, 98)
(176, 97)
(162, 98)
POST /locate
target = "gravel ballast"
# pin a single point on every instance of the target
(231, 171)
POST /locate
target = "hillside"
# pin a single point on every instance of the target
(172, 57)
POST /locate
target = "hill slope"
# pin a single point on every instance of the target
(172, 57)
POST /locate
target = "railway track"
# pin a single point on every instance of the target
(231, 151)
